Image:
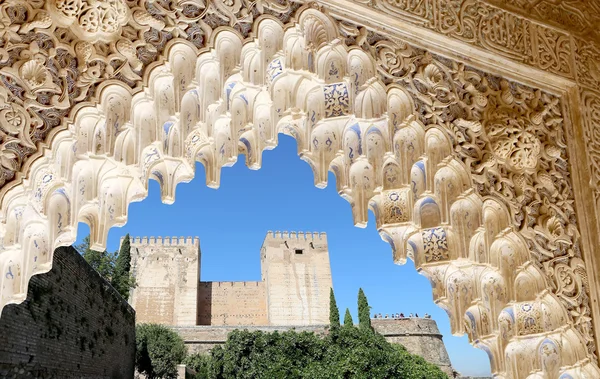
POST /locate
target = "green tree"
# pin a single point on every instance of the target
(364, 311)
(158, 351)
(334, 313)
(348, 318)
(101, 261)
(122, 279)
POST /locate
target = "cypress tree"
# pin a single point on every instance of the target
(364, 311)
(121, 280)
(348, 318)
(334, 313)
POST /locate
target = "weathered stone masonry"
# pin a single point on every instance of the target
(419, 335)
(72, 325)
(293, 290)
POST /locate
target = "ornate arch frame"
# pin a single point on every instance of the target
(461, 143)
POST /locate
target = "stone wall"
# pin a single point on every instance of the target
(167, 272)
(232, 303)
(297, 276)
(419, 335)
(72, 325)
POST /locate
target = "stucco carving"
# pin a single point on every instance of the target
(466, 173)
(54, 54)
(577, 16)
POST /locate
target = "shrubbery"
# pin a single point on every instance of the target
(346, 352)
(158, 351)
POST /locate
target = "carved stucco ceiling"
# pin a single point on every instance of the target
(54, 54)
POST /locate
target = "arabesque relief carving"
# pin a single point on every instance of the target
(54, 54)
(580, 17)
(467, 173)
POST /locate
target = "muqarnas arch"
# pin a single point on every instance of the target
(465, 173)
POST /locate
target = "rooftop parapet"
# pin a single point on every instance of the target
(164, 241)
(306, 236)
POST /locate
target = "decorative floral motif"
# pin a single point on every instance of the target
(529, 319)
(91, 20)
(435, 245)
(337, 102)
(515, 147)
(395, 207)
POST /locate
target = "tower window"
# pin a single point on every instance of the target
(299, 251)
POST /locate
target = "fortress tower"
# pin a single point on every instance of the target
(293, 290)
(297, 276)
(167, 272)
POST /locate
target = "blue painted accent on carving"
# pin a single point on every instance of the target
(427, 200)
(228, 89)
(167, 127)
(356, 129)
(248, 147)
(421, 166)
(414, 246)
(159, 175)
(510, 312)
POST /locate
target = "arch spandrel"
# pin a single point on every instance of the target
(466, 173)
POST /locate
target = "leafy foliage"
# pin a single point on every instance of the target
(348, 318)
(101, 261)
(334, 313)
(364, 310)
(158, 351)
(345, 353)
(199, 363)
(114, 267)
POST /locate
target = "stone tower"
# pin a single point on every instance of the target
(167, 273)
(297, 276)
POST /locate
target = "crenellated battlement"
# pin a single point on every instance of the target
(164, 241)
(285, 235)
(241, 284)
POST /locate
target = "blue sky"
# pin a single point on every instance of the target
(232, 222)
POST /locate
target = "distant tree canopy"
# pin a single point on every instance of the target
(346, 352)
(114, 267)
